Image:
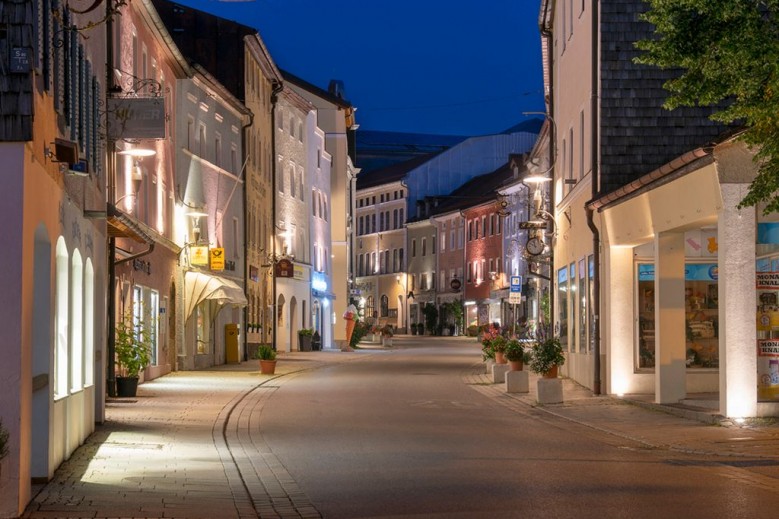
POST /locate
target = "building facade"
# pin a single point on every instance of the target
(292, 219)
(336, 117)
(380, 252)
(54, 260)
(262, 81)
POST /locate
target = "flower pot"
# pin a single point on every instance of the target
(552, 373)
(386, 341)
(268, 367)
(126, 386)
(516, 365)
(500, 357)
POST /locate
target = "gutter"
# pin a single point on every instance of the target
(668, 172)
(274, 98)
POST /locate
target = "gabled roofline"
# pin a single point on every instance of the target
(320, 92)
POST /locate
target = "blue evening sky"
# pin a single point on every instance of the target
(455, 67)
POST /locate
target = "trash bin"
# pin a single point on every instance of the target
(232, 353)
(316, 341)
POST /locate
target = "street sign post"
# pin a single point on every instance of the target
(515, 290)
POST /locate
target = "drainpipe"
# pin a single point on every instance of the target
(111, 176)
(274, 99)
(552, 160)
(246, 237)
(596, 381)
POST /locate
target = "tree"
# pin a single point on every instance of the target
(727, 54)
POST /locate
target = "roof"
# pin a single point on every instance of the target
(207, 39)
(392, 173)
(378, 149)
(472, 193)
(320, 92)
(531, 126)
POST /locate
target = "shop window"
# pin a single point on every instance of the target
(590, 299)
(581, 297)
(701, 307)
(572, 290)
(384, 306)
(561, 326)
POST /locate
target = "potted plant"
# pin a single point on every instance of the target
(386, 334)
(547, 356)
(492, 339)
(304, 339)
(267, 358)
(516, 355)
(132, 346)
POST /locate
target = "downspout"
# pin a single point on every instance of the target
(111, 175)
(273, 100)
(595, 181)
(552, 160)
(246, 239)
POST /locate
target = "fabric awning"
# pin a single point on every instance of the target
(200, 287)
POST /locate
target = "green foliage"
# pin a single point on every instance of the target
(306, 332)
(132, 347)
(515, 351)
(727, 53)
(431, 316)
(265, 352)
(3, 441)
(455, 310)
(361, 329)
(546, 354)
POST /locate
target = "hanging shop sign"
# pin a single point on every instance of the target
(198, 255)
(217, 256)
(284, 269)
(135, 118)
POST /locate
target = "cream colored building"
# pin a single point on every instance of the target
(380, 253)
(336, 117)
(263, 80)
(662, 285)
(292, 219)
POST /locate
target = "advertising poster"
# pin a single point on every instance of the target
(767, 322)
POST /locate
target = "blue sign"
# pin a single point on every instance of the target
(516, 284)
(692, 272)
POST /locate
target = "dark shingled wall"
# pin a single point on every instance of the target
(16, 30)
(637, 133)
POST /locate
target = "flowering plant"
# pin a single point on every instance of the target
(387, 331)
(492, 342)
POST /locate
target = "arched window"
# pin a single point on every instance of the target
(384, 306)
(89, 324)
(61, 320)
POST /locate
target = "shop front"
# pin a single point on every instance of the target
(322, 317)
(690, 291)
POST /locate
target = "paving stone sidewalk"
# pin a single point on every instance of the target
(679, 428)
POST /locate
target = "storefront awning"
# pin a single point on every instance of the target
(200, 287)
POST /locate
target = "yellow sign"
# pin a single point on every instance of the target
(198, 255)
(217, 258)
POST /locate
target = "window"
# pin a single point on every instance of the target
(442, 275)
(414, 248)
(432, 245)
(470, 273)
(218, 150)
(76, 319)
(581, 145)
(394, 218)
(443, 241)
(484, 226)
(570, 155)
(395, 267)
(61, 323)
(401, 265)
(424, 246)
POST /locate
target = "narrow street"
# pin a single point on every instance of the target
(414, 431)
